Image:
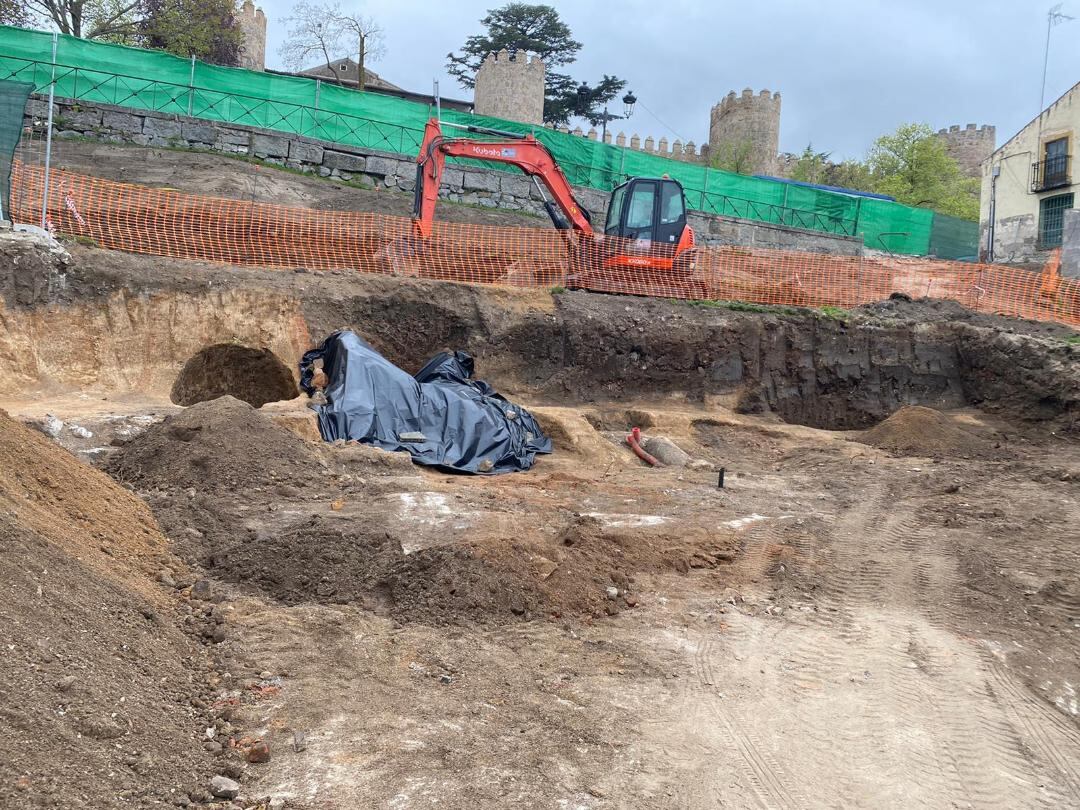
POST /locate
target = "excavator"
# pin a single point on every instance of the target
(646, 220)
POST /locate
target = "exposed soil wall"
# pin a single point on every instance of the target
(128, 323)
(256, 376)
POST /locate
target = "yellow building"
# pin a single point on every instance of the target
(1027, 185)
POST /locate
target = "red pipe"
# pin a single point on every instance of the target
(634, 440)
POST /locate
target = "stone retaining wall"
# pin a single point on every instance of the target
(491, 189)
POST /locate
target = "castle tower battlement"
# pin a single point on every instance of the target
(510, 86)
(252, 23)
(969, 146)
(747, 126)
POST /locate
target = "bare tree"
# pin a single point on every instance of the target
(113, 20)
(367, 36)
(325, 30)
(14, 12)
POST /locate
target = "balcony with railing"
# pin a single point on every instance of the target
(1051, 173)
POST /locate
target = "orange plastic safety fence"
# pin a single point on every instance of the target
(169, 223)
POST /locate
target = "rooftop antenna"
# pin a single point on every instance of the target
(1054, 16)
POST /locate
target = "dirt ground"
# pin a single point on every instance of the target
(837, 626)
(871, 618)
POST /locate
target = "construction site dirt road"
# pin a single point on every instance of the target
(879, 607)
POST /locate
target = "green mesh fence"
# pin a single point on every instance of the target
(953, 238)
(893, 227)
(13, 96)
(151, 80)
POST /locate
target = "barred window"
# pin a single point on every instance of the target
(1052, 219)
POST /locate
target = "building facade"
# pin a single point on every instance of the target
(1027, 185)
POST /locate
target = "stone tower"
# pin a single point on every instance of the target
(510, 87)
(747, 127)
(969, 147)
(252, 22)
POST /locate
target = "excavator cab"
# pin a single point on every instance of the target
(652, 209)
(647, 222)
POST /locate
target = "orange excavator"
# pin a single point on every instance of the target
(646, 220)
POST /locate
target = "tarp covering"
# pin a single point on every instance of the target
(442, 416)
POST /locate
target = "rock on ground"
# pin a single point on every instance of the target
(666, 451)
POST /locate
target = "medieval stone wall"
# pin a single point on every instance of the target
(746, 127)
(510, 87)
(252, 22)
(969, 147)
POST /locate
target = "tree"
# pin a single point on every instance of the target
(564, 99)
(911, 165)
(325, 31)
(110, 20)
(537, 29)
(811, 167)
(852, 174)
(733, 156)
(516, 27)
(206, 29)
(367, 39)
(14, 12)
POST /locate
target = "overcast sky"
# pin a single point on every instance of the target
(848, 70)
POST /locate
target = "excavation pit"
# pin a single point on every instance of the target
(254, 376)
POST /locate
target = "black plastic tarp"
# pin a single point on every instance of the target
(442, 416)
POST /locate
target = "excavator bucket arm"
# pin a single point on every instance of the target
(522, 151)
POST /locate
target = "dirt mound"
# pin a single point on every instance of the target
(223, 445)
(94, 676)
(919, 431)
(944, 310)
(331, 561)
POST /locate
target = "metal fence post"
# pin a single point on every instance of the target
(48, 136)
(191, 88)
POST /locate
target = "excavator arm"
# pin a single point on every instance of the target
(523, 151)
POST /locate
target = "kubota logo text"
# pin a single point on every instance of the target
(491, 151)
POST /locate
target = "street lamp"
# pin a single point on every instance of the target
(584, 96)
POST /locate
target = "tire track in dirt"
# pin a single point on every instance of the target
(882, 556)
(846, 680)
(1047, 733)
(934, 579)
(872, 568)
(774, 789)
